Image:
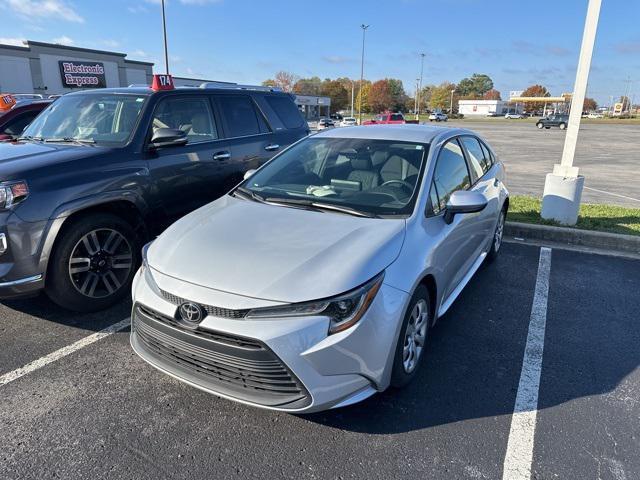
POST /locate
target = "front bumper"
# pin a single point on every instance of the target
(302, 370)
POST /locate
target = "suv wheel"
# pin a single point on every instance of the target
(93, 263)
(562, 126)
(540, 125)
(413, 338)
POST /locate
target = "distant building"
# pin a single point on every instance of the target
(313, 107)
(487, 107)
(48, 69)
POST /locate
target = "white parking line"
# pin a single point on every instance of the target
(519, 456)
(611, 193)
(63, 352)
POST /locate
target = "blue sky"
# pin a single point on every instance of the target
(515, 42)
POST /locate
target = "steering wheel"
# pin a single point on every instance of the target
(402, 183)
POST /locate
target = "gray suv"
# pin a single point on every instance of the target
(555, 120)
(100, 172)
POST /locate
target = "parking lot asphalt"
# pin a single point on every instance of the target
(101, 412)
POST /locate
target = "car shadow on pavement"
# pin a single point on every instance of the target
(41, 307)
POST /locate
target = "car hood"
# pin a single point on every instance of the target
(22, 157)
(275, 253)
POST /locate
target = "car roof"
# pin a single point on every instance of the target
(403, 133)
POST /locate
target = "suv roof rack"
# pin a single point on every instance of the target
(237, 86)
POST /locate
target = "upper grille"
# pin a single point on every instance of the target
(256, 375)
(211, 310)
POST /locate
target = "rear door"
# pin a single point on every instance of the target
(283, 115)
(248, 140)
(188, 176)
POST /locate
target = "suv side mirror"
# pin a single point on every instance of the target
(248, 173)
(168, 137)
(464, 201)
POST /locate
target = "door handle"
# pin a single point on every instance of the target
(221, 156)
(272, 147)
(496, 182)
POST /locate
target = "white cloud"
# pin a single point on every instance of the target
(139, 53)
(111, 43)
(63, 40)
(19, 42)
(186, 2)
(30, 9)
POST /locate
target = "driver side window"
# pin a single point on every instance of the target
(450, 174)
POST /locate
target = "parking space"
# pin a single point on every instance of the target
(101, 412)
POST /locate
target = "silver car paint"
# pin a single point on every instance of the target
(248, 275)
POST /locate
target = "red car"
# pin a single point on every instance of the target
(389, 118)
(14, 120)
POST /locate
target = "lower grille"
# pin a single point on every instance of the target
(256, 375)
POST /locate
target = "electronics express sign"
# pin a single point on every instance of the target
(82, 74)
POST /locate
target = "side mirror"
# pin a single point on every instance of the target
(168, 137)
(464, 201)
(249, 173)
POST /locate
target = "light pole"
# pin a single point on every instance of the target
(364, 30)
(353, 88)
(164, 31)
(563, 187)
(422, 55)
(416, 100)
(451, 105)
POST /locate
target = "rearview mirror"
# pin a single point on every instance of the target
(248, 173)
(464, 201)
(168, 137)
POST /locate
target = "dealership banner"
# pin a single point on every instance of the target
(82, 74)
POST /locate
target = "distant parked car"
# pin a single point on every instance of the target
(389, 118)
(555, 120)
(15, 120)
(514, 116)
(325, 123)
(336, 117)
(438, 117)
(348, 122)
(493, 114)
(595, 115)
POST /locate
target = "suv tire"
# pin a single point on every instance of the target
(562, 126)
(409, 354)
(540, 125)
(93, 263)
(496, 240)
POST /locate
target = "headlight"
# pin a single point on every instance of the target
(146, 271)
(13, 193)
(343, 311)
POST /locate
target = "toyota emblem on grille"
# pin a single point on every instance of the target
(191, 312)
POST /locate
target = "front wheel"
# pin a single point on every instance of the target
(93, 263)
(540, 126)
(562, 126)
(496, 241)
(412, 339)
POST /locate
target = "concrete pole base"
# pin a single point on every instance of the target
(561, 199)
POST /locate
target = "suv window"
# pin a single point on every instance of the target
(451, 173)
(192, 115)
(18, 124)
(239, 115)
(286, 110)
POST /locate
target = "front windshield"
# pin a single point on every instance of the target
(101, 118)
(377, 177)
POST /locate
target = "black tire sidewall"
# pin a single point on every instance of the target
(58, 285)
(492, 254)
(400, 378)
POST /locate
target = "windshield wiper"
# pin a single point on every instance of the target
(31, 137)
(248, 194)
(70, 140)
(298, 202)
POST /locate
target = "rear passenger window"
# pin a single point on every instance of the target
(239, 114)
(451, 172)
(192, 115)
(475, 155)
(286, 110)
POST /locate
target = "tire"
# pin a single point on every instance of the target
(562, 126)
(496, 241)
(93, 263)
(547, 128)
(404, 371)
(540, 126)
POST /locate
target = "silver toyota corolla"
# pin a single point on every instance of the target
(313, 284)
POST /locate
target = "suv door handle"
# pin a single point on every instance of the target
(272, 147)
(496, 182)
(221, 156)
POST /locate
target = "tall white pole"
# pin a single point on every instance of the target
(353, 88)
(563, 187)
(164, 32)
(364, 29)
(422, 55)
(580, 88)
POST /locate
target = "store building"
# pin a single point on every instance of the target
(487, 107)
(313, 107)
(53, 69)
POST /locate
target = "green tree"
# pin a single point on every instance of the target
(335, 90)
(441, 96)
(476, 86)
(270, 82)
(308, 86)
(398, 95)
(364, 94)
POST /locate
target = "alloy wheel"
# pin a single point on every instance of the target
(100, 263)
(497, 237)
(415, 336)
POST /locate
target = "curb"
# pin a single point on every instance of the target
(572, 236)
